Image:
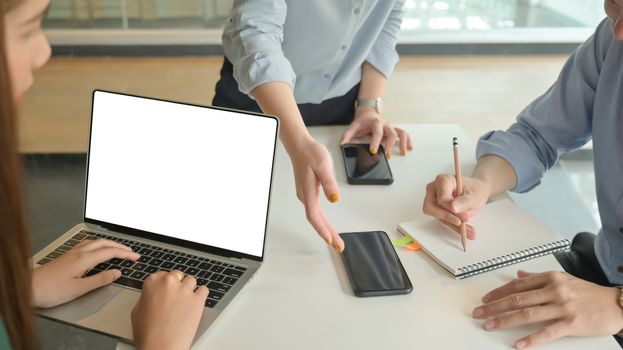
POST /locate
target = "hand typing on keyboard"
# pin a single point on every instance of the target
(167, 314)
(60, 280)
(217, 275)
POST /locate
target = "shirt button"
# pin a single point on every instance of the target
(327, 76)
(356, 11)
(620, 269)
(621, 230)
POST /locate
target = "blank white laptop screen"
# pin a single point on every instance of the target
(188, 172)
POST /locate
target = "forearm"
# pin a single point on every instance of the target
(496, 172)
(372, 82)
(277, 98)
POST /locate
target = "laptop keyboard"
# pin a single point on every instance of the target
(218, 276)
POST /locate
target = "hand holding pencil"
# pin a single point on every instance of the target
(454, 199)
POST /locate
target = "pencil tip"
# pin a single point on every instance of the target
(455, 141)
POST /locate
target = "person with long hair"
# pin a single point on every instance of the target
(170, 307)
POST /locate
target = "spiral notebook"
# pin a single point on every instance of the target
(505, 235)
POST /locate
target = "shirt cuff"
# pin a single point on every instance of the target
(528, 169)
(383, 57)
(261, 68)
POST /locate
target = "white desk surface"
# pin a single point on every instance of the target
(301, 297)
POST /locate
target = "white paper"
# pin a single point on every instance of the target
(501, 229)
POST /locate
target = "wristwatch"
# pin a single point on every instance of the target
(377, 103)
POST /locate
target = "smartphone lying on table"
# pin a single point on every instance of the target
(372, 265)
(364, 168)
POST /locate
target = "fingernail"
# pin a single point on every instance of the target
(490, 324)
(326, 240)
(403, 153)
(478, 312)
(116, 273)
(373, 151)
(337, 250)
(485, 298)
(389, 155)
(334, 197)
(520, 344)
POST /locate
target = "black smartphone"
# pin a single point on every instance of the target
(363, 168)
(373, 266)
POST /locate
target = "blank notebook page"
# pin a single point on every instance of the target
(504, 235)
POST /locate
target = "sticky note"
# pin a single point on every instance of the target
(414, 246)
(401, 242)
(407, 242)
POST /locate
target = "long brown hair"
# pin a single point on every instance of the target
(15, 273)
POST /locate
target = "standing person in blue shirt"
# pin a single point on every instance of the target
(585, 102)
(308, 62)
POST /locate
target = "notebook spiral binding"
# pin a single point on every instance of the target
(514, 258)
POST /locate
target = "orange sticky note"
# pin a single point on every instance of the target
(414, 247)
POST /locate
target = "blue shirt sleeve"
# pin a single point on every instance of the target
(558, 121)
(256, 52)
(383, 55)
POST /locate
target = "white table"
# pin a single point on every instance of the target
(301, 297)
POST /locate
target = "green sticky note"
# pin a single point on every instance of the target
(401, 242)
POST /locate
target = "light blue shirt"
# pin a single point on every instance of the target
(315, 46)
(585, 102)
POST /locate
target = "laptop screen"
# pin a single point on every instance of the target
(193, 173)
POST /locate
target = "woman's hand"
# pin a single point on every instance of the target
(441, 201)
(60, 280)
(563, 304)
(311, 162)
(168, 313)
(369, 122)
(313, 168)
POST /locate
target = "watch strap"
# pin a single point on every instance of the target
(376, 103)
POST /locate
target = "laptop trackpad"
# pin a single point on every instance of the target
(106, 310)
(84, 306)
(115, 317)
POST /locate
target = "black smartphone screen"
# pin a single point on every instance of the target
(373, 266)
(364, 168)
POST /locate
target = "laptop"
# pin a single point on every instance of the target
(186, 186)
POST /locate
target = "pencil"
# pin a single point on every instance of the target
(459, 187)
